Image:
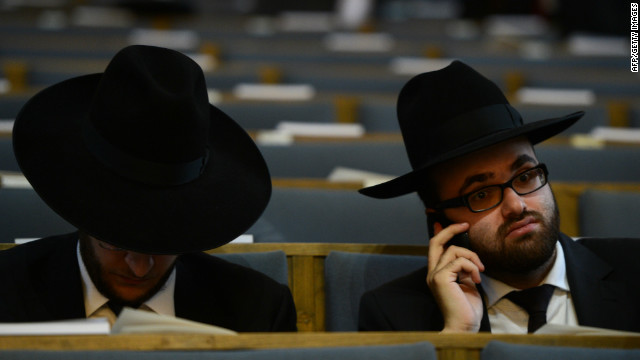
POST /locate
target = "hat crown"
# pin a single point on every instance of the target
(149, 112)
(442, 110)
(452, 112)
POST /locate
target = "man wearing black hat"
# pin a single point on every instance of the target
(151, 174)
(497, 260)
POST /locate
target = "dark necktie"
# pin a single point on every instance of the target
(115, 307)
(535, 301)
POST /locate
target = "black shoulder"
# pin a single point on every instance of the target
(622, 252)
(35, 251)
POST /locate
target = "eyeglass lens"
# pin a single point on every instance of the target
(490, 196)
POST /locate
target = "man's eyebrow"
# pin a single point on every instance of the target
(482, 177)
(521, 160)
(470, 180)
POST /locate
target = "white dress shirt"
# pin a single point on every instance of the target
(95, 304)
(506, 317)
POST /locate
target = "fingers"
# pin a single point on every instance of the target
(453, 273)
(460, 270)
(440, 254)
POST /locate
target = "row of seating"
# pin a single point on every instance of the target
(494, 350)
(320, 159)
(323, 215)
(376, 114)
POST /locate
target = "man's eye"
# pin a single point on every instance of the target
(525, 177)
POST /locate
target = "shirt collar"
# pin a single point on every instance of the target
(494, 289)
(162, 302)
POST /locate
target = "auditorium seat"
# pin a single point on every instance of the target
(415, 351)
(349, 275)
(268, 114)
(340, 216)
(499, 350)
(609, 213)
(610, 164)
(24, 215)
(319, 159)
(270, 263)
(8, 160)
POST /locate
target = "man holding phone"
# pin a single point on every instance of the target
(495, 244)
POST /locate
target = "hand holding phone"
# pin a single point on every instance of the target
(452, 277)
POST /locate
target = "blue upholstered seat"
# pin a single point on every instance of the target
(24, 215)
(349, 275)
(416, 351)
(605, 213)
(340, 216)
(497, 350)
(270, 263)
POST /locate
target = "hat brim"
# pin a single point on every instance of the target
(229, 196)
(410, 182)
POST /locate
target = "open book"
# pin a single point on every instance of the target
(581, 330)
(130, 321)
(139, 321)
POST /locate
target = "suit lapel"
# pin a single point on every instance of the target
(596, 299)
(194, 301)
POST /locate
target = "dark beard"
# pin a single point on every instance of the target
(94, 268)
(527, 253)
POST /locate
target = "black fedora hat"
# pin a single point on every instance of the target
(452, 112)
(138, 157)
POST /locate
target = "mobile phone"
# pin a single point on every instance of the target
(461, 240)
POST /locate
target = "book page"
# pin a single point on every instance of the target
(139, 321)
(581, 330)
(93, 326)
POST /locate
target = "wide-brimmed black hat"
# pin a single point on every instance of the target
(452, 112)
(138, 157)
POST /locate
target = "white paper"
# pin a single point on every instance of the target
(243, 239)
(274, 92)
(6, 125)
(359, 42)
(5, 86)
(367, 178)
(529, 95)
(275, 137)
(580, 330)
(174, 39)
(587, 45)
(93, 326)
(516, 25)
(207, 62)
(103, 16)
(20, 241)
(416, 65)
(321, 129)
(133, 321)
(14, 181)
(616, 134)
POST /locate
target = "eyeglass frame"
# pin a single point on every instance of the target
(462, 200)
(110, 247)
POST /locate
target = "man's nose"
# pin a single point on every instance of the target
(512, 204)
(140, 264)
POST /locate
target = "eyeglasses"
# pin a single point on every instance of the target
(489, 197)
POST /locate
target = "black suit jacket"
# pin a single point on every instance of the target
(603, 275)
(41, 281)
